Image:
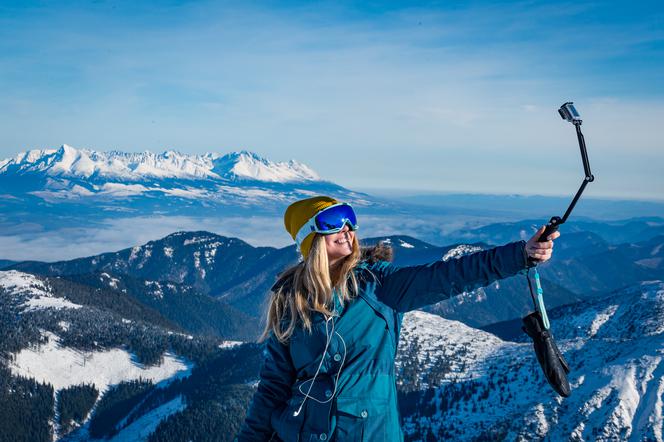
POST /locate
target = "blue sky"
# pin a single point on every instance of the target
(440, 96)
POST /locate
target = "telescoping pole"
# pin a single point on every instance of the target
(568, 112)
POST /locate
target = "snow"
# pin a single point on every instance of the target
(156, 288)
(656, 419)
(141, 428)
(440, 338)
(601, 318)
(649, 411)
(251, 166)
(210, 254)
(198, 240)
(64, 367)
(80, 175)
(460, 250)
(120, 189)
(49, 302)
(72, 162)
(31, 292)
(230, 344)
(406, 245)
(615, 346)
(111, 281)
(168, 251)
(19, 282)
(66, 156)
(134, 253)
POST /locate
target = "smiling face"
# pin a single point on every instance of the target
(339, 245)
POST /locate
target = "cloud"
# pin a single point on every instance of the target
(26, 242)
(118, 234)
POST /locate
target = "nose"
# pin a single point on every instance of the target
(345, 228)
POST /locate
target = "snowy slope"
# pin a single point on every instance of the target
(473, 386)
(57, 344)
(141, 429)
(30, 293)
(64, 367)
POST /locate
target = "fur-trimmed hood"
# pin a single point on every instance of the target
(378, 252)
(369, 254)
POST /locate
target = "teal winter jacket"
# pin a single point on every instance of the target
(353, 396)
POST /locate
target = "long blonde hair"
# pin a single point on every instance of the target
(311, 290)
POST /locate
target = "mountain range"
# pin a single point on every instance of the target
(148, 182)
(239, 275)
(65, 203)
(459, 383)
(103, 167)
(153, 340)
(454, 382)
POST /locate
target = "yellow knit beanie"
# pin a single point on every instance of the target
(298, 213)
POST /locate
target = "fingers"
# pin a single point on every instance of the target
(541, 251)
(543, 245)
(554, 235)
(536, 245)
(541, 256)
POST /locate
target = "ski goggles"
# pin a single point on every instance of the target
(329, 220)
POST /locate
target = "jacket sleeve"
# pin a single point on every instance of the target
(277, 375)
(409, 288)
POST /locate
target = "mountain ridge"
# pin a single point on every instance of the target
(67, 161)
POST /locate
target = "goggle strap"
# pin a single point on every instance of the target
(305, 230)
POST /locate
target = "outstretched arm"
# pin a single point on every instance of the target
(277, 375)
(409, 288)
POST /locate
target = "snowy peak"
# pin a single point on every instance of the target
(631, 313)
(246, 165)
(68, 161)
(426, 338)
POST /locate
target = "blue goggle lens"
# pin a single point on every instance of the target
(335, 218)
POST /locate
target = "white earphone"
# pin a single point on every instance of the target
(328, 338)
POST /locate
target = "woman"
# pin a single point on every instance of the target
(333, 326)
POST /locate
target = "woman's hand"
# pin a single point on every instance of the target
(541, 251)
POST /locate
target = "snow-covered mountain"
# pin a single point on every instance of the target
(57, 337)
(461, 383)
(204, 261)
(455, 382)
(70, 162)
(66, 188)
(148, 182)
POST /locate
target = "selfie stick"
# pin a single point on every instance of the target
(569, 113)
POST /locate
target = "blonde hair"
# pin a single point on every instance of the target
(311, 290)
